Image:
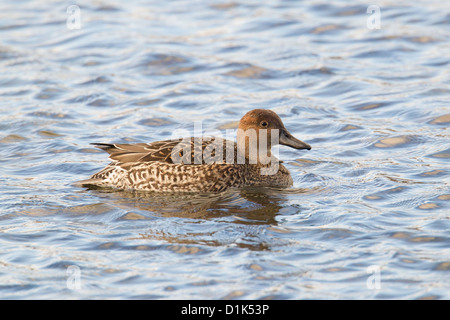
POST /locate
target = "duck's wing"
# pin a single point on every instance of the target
(186, 151)
(139, 152)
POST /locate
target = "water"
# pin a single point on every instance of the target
(367, 217)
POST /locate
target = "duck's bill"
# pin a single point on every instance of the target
(289, 140)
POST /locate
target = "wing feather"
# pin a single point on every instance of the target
(188, 151)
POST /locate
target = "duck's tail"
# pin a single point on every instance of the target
(108, 147)
(98, 178)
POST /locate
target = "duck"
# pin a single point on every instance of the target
(202, 164)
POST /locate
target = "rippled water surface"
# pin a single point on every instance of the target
(367, 217)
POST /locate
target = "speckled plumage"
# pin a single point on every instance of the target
(192, 164)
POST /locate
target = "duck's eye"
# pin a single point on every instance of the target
(264, 124)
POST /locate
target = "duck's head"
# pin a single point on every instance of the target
(267, 120)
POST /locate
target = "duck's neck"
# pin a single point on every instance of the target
(253, 148)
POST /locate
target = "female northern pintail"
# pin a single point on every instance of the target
(202, 165)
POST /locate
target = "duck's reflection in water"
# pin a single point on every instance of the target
(238, 216)
(252, 205)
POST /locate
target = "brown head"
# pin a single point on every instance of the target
(267, 122)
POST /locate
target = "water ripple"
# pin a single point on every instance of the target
(372, 193)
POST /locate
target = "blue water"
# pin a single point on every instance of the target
(367, 217)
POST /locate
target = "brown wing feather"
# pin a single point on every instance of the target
(188, 151)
